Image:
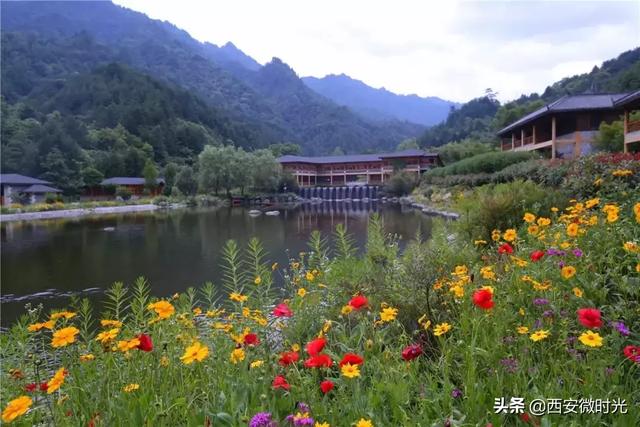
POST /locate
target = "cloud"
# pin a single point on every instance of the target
(449, 49)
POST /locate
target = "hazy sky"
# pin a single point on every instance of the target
(443, 48)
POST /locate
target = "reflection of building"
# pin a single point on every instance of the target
(565, 128)
(630, 106)
(364, 168)
(34, 190)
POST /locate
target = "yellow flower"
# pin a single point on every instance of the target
(164, 361)
(108, 322)
(257, 280)
(554, 209)
(15, 408)
(591, 339)
(539, 335)
(424, 322)
(195, 352)
(64, 336)
(480, 242)
(364, 423)
(65, 314)
(235, 296)
(622, 172)
(127, 345)
(226, 327)
(592, 203)
(519, 261)
(256, 364)
(533, 229)
(295, 347)
(86, 357)
(237, 356)
(543, 222)
(346, 309)
(577, 292)
(522, 330)
(441, 329)
(326, 326)
(510, 235)
(309, 276)
(521, 311)
(131, 387)
(319, 424)
(274, 266)
(295, 265)
(106, 336)
(572, 229)
(350, 371)
(631, 247)
(597, 182)
(197, 311)
(302, 292)
(56, 381)
(529, 217)
(638, 267)
(568, 271)
(541, 286)
(388, 314)
(495, 235)
(164, 309)
(37, 326)
(460, 270)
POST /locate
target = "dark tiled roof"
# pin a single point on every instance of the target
(125, 180)
(628, 99)
(39, 188)
(352, 158)
(570, 103)
(14, 178)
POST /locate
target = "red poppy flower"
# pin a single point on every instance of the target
(352, 359)
(411, 351)
(280, 382)
(289, 357)
(318, 361)
(251, 339)
(315, 346)
(145, 342)
(589, 317)
(525, 417)
(44, 386)
(505, 248)
(536, 255)
(483, 298)
(632, 352)
(358, 302)
(326, 386)
(282, 310)
(30, 387)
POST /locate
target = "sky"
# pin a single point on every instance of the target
(445, 48)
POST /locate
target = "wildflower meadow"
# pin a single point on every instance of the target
(448, 332)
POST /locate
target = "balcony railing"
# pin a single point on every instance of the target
(633, 126)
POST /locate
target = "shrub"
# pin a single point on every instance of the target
(400, 184)
(123, 192)
(502, 206)
(456, 151)
(482, 163)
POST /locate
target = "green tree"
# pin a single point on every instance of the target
(285, 148)
(611, 136)
(150, 174)
(408, 144)
(170, 172)
(186, 181)
(62, 172)
(91, 176)
(265, 170)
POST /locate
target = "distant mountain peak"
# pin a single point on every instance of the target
(380, 103)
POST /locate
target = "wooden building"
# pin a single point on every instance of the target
(565, 128)
(15, 188)
(630, 106)
(135, 185)
(356, 168)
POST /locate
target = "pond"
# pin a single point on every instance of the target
(46, 261)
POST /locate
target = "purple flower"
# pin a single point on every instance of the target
(537, 324)
(456, 393)
(510, 364)
(561, 264)
(577, 253)
(261, 419)
(621, 327)
(547, 313)
(609, 371)
(540, 301)
(303, 407)
(552, 251)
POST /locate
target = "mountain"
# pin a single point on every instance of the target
(380, 104)
(271, 102)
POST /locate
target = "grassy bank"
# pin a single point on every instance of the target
(546, 307)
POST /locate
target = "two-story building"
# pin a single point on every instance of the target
(565, 128)
(356, 168)
(630, 106)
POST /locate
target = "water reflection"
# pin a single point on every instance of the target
(172, 249)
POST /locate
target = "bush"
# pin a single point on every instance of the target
(456, 151)
(482, 163)
(123, 192)
(502, 206)
(401, 184)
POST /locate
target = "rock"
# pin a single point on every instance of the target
(255, 212)
(108, 229)
(272, 213)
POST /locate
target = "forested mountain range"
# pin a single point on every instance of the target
(380, 104)
(481, 118)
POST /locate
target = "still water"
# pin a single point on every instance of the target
(173, 249)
